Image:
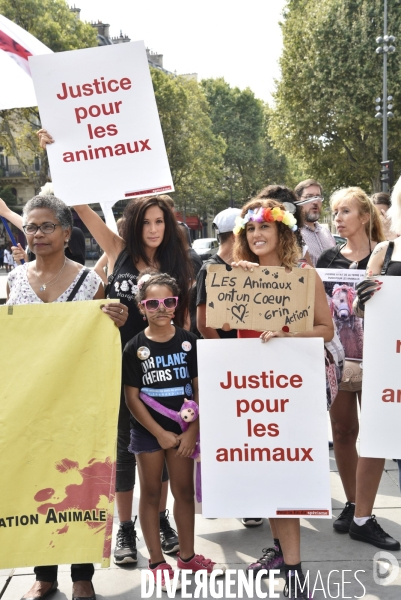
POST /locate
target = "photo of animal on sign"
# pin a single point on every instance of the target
(266, 298)
(339, 285)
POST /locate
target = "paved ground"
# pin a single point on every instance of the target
(230, 544)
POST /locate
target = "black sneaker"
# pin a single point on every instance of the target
(125, 551)
(168, 535)
(296, 586)
(372, 533)
(344, 520)
(252, 522)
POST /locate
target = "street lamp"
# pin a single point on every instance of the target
(385, 111)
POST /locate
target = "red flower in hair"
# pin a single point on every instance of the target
(267, 215)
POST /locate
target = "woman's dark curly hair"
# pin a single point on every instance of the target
(287, 247)
(156, 278)
(171, 256)
(284, 194)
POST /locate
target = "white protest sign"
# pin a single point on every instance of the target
(381, 383)
(339, 285)
(263, 428)
(99, 106)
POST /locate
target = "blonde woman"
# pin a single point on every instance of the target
(358, 221)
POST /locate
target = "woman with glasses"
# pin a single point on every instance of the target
(358, 221)
(52, 277)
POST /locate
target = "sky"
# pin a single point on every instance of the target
(240, 41)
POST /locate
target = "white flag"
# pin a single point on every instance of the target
(16, 45)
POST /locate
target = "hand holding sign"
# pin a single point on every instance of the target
(99, 105)
(259, 298)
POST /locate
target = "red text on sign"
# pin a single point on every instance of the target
(100, 132)
(260, 430)
(265, 380)
(81, 113)
(99, 86)
(390, 395)
(258, 406)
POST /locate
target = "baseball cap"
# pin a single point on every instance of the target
(225, 220)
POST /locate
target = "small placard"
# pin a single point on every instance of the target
(268, 298)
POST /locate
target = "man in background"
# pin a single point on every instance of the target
(316, 237)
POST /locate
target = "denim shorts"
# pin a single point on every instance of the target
(143, 441)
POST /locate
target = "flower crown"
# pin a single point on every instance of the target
(266, 215)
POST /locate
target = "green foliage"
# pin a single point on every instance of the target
(18, 137)
(52, 22)
(330, 76)
(195, 154)
(250, 160)
(7, 195)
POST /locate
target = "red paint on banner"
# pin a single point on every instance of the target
(86, 495)
(43, 495)
(63, 529)
(66, 465)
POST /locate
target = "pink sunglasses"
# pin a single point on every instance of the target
(153, 304)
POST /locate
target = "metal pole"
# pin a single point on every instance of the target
(384, 153)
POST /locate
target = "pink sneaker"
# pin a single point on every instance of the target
(166, 573)
(198, 563)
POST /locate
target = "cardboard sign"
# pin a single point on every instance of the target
(58, 421)
(339, 285)
(99, 106)
(265, 299)
(381, 383)
(263, 428)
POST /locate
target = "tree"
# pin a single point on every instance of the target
(7, 195)
(195, 154)
(250, 160)
(53, 23)
(330, 76)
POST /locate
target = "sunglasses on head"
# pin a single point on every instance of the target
(152, 304)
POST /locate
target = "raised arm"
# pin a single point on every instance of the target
(10, 215)
(109, 241)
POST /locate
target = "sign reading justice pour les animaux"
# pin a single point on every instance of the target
(267, 298)
(263, 428)
(99, 106)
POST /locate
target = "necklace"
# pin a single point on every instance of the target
(43, 286)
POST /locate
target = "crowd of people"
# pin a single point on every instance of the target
(161, 310)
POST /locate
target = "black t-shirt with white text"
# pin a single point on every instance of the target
(125, 288)
(163, 371)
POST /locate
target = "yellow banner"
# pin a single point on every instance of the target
(60, 378)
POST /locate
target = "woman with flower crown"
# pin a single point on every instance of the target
(265, 236)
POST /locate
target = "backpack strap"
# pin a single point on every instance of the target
(121, 258)
(80, 281)
(387, 258)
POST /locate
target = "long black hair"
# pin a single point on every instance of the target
(171, 255)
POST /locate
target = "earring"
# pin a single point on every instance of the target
(144, 318)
